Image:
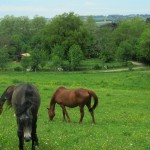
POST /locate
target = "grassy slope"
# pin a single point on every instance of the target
(122, 116)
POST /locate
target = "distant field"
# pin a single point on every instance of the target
(100, 23)
(122, 116)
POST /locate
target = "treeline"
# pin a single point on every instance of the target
(67, 39)
(117, 18)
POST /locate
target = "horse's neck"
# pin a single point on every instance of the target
(52, 106)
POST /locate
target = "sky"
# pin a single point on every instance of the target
(51, 8)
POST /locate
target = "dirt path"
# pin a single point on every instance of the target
(138, 66)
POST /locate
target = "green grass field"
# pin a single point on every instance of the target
(122, 116)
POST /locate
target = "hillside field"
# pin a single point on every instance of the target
(122, 116)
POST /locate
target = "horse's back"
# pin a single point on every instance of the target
(25, 95)
(71, 97)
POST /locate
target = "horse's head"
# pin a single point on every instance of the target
(51, 114)
(25, 121)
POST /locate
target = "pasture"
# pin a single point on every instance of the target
(122, 116)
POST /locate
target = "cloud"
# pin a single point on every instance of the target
(22, 9)
(89, 3)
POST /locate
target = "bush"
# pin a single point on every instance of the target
(17, 68)
(130, 66)
(75, 56)
(97, 67)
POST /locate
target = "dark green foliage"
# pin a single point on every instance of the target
(26, 62)
(126, 37)
(4, 58)
(38, 59)
(65, 30)
(124, 51)
(105, 45)
(18, 68)
(144, 46)
(97, 67)
(57, 56)
(127, 40)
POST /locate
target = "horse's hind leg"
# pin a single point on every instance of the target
(82, 113)
(34, 135)
(65, 113)
(91, 112)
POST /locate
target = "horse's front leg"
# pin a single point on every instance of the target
(20, 136)
(65, 113)
(21, 141)
(82, 113)
(34, 135)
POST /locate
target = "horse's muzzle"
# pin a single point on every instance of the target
(27, 136)
(27, 139)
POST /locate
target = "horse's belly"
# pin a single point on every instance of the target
(71, 105)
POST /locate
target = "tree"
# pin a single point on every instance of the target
(65, 30)
(144, 46)
(129, 30)
(26, 62)
(105, 44)
(124, 51)
(15, 33)
(3, 58)
(92, 50)
(75, 56)
(38, 59)
(37, 26)
(57, 56)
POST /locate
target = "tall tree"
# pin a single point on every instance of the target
(65, 30)
(129, 30)
(93, 51)
(4, 58)
(144, 46)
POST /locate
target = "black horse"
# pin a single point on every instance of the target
(7, 95)
(26, 102)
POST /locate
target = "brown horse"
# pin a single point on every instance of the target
(72, 98)
(7, 95)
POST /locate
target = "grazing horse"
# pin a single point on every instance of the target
(7, 95)
(26, 102)
(72, 98)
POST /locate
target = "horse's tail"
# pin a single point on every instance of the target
(95, 100)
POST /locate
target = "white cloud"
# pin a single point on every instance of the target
(22, 8)
(89, 3)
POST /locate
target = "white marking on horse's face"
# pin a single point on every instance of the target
(27, 134)
(26, 123)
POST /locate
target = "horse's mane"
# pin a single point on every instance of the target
(52, 102)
